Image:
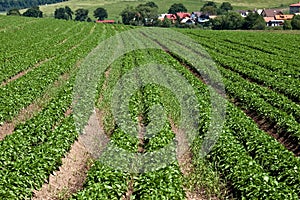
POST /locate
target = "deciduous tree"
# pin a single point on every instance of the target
(81, 14)
(296, 22)
(177, 7)
(33, 12)
(100, 13)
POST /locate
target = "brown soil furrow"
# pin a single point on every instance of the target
(141, 149)
(290, 142)
(141, 135)
(72, 174)
(127, 195)
(69, 178)
(104, 85)
(20, 74)
(184, 158)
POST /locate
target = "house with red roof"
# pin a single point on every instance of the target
(108, 21)
(182, 15)
(171, 17)
(295, 8)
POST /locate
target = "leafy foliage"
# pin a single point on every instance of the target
(100, 13)
(177, 7)
(33, 12)
(81, 14)
(296, 22)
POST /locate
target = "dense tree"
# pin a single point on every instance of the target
(81, 14)
(128, 14)
(63, 13)
(143, 14)
(226, 6)
(60, 13)
(14, 11)
(210, 3)
(287, 25)
(151, 4)
(146, 14)
(296, 22)
(209, 8)
(166, 22)
(100, 13)
(254, 21)
(230, 21)
(69, 12)
(177, 7)
(33, 12)
(19, 4)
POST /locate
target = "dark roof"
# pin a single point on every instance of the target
(271, 12)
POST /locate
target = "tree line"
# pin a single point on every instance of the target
(65, 13)
(146, 14)
(6, 5)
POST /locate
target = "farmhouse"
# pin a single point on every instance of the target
(106, 21)
(171, 17)
(295, 8)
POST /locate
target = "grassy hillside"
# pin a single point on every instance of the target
(114, 7)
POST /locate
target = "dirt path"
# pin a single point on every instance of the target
(72, 173)
(184, 158)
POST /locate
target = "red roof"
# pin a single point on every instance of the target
(171, 16)
(106, 21)
(295, 5)
(183, 15)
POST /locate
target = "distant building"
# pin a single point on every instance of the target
(106, 21)
(295, 8)
(171, 17)
(243, 13)
(182, 15)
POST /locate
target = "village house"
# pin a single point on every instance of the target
(108, 21)
(269, 17)
(171, 17)
(295, 8)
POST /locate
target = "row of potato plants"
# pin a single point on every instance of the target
(261, 43)
(164, 183)
(283, 84)
(25, 52)
(278, 101)
(248, 177)
(285, 67)
(284, 173)
(248, 100)
(21, 92)
(36, 147)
